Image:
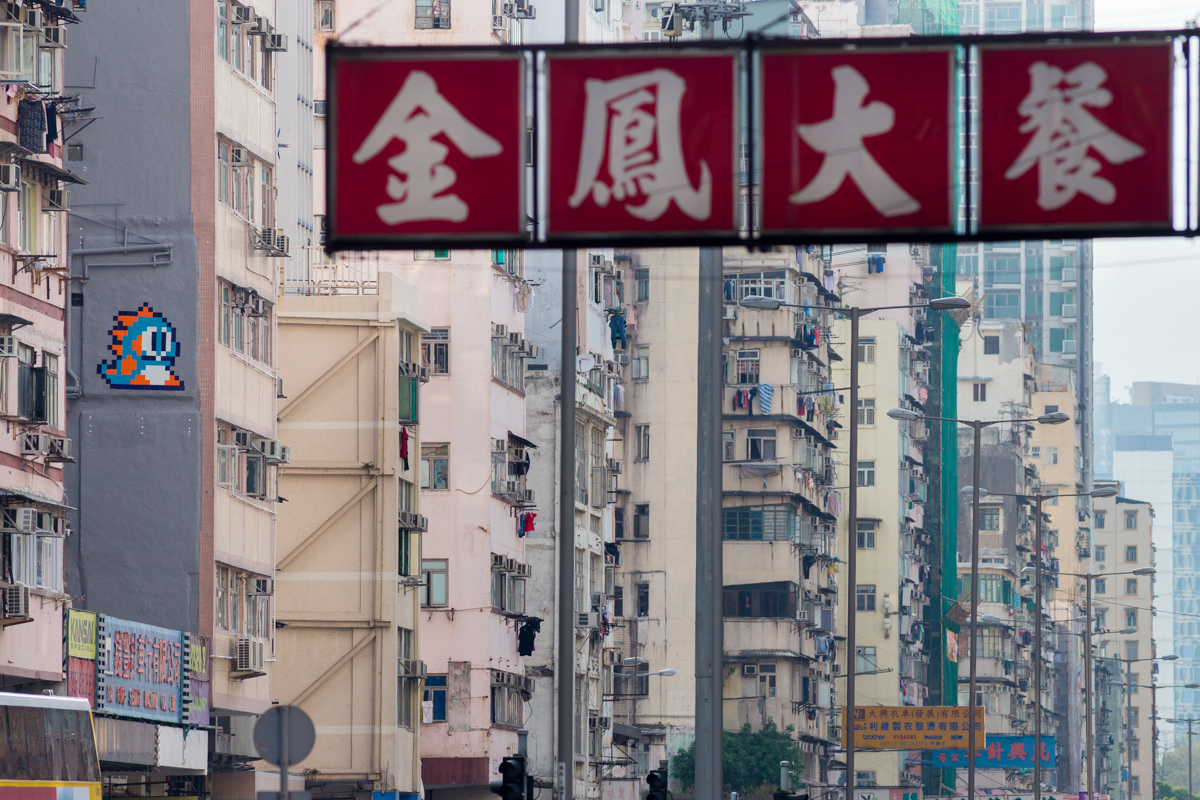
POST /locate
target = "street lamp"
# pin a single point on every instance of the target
(1054, 418)
(1036, 569)
(1189, 722)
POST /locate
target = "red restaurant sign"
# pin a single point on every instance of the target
(1075, 136)
(857, 141)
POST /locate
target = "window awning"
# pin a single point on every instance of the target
(12, 321)
(10, 150)
(47, 170)
(521, 440)
(11, 497)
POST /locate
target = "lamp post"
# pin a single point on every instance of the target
(1038, 499)
(1129, 687)
(936, 304)
(1055, 418)
(1189, 722)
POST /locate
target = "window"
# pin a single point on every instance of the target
(433, 14)
(760, 444)
(747, 366)
(865, 660)
(727, 443)
(508, 591)
(642, 276)
(223, 28)
(30, 385)
(1100, 520)
(1131, 525)
(433, 701)
(1035, 452)
(989, 519)
(766, 680)
(435, 576)
(641, 521)
(866, 412)
(324, 21)
(1062, 340)
(1135, 752)
(50, 389)
(435, 466)
(864, 778)
(866, 350)
(618, 601)
(1131, 586)
(991, 345)
(1001, 269)
(435, 351)
(431, 255)
(1001, 305)
(979, 392)
(27, 205)
(1050, 455)
(641, 364)
(761, 600)
(865, 597)
(618, 523)
(1131, 618)
(641, 439)
(866, 534)
(1101, 585)
(866, 473)
(760, 523)
(1131, 651)
(1131, 552)
(235, 601)
(1003, 18)
(508, 363)
(643, 599)
(1135, 784)
(222, 610)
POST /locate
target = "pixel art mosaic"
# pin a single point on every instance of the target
(145, 347)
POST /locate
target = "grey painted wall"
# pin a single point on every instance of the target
(136, 486)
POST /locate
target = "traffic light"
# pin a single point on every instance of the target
(656, 779)
(512, 783)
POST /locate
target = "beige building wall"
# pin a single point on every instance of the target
(350, 534)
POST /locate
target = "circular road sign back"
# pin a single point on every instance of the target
(280, 724)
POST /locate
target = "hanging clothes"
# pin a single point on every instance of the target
(631, 322)
(765, 393)
(525, 523)
(616, 327)
(31, 125)
(753, 394)
(830, 282)
(52, 122)
(404, 446)
(528, 635)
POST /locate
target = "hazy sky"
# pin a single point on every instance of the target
(1147, 304)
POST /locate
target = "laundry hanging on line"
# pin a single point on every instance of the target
(616, 327)
(527, 635)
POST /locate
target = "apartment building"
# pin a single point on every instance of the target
(33, 295)
(780, 499)
(349, 545)
(1123, 607)
(172, 385)
(603, 296)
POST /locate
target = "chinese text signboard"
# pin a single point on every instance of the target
(914, 727)
(644, 145)
(641, 144)
(141, 671)
(1000, 752)
(81, 679)
(1075, 136)
(427, 147)
(857, 141)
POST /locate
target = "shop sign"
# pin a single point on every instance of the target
(1000, 752)
(914, 727)
(81, 634)
(199, 653)
(200, 693)
(81, 679)
(140, 670)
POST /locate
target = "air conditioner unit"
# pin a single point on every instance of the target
(262, 27)
(610, 658)
(499, 331)
(249, 657)
(589, 620)
(59, 449)
(424, 376)
(285, 455)
(282, 244)
(802, 615)
(267, 237)
(606, 267)
(410, 668)
(595, 260)
(10, 178)
(8, 347)
(406, 519)
(34, 445)
(275, 42)
(16, 603)
(622, 358)
(33, 18)
(730, 312)
(421, 523)
(497, 561)
(797, 433)
(614, 466)
(258, 306)
(12, 12)
(514, 338)
(271, 450)
(243, 15)
(527, 496)
(499, 23)
(605, 722)
(260, 587)
(55, 36)
(597, 601)
(26, 519)
(238, 157)
(749, 669)
(56, 200)
(510, 564)
(242, 439)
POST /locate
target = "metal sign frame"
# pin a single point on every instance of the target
(535, 173)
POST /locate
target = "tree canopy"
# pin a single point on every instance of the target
(751, 758)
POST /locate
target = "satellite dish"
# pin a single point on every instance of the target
(585, 363)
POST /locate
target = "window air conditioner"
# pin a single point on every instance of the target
(595, 260)
(589, 620)
(281, 245)
(8, 347)
(406, 519)
(605, 722)
(237, 156)
(499, 22)
(410, 668)
(56, 200)
(16, 603)
(59, 449)
(285, 455)
(272, 450)
(34, 445)
(243, 15)
(730, 312)
(26, 519)
(607, 267)
(248, 657)
(260, 587)
(242, 439)
(527, 496)
(33, 18)
(422, 523)
(12, 12)
(10, 178)
(622, 358)
(275, 43)
(614, 466)
(497, 561)
(258, 306)
(267, 237)
(597, 601)
(424, 376)
(262, 27)
(499, 331)
(610, 658)
(55, 36)
(797, 433)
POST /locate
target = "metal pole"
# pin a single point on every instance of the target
(1129, 728)
(978, 427)
(710, 631)
(1087, 661)
(1190, 793)
(285, 715)
(1037, 648)
(851, 590)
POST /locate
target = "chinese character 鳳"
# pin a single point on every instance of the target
(631, 130)
(840, 140)
(419, 186)
(1056, 111)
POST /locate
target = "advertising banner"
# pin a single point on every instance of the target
(199, 697)
(140, 670)
(1075, 136)
(888, 793)
(429, 148)
(914, 727)
(858, 141)
(80, 634)
(641, 143)
(1000, 752)
(81, 679)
